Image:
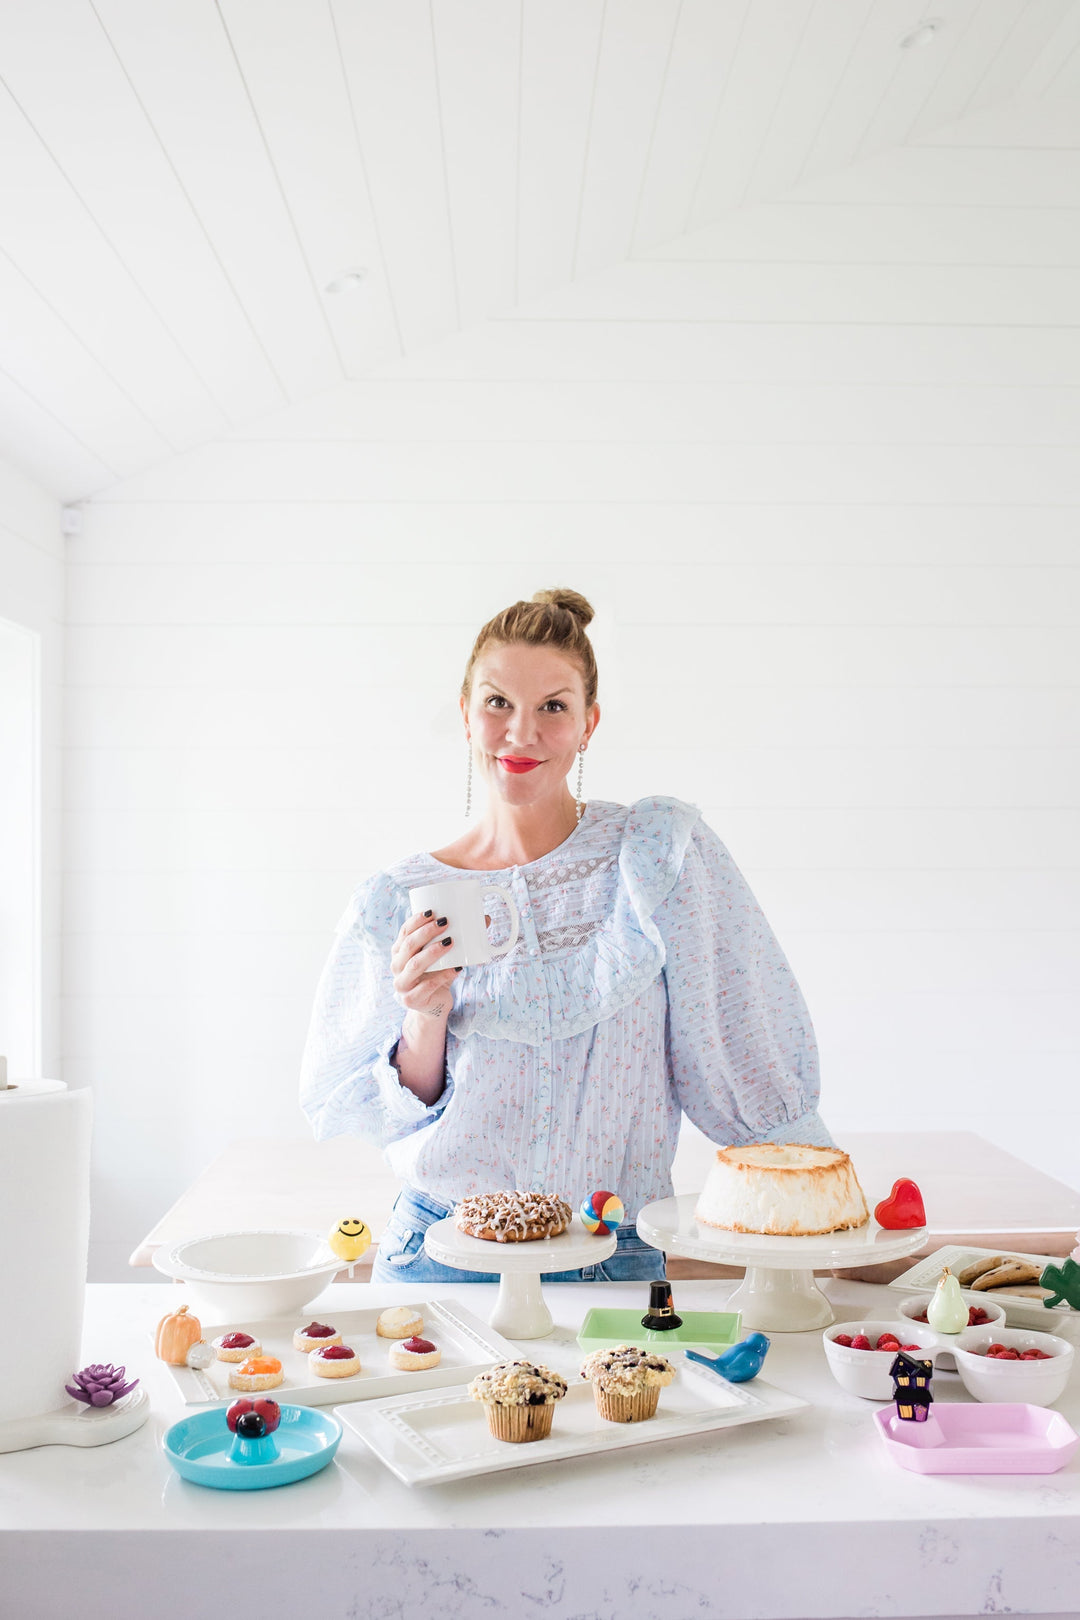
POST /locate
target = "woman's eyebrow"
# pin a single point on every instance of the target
(550, 695)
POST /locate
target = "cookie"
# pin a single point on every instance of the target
(990, 1262)
(1007, 1275)
(1030, 1291)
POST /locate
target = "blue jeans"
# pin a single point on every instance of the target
(402, 1258)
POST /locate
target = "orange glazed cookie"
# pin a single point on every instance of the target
(259, 1372)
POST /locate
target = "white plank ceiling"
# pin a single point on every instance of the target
(180, 180)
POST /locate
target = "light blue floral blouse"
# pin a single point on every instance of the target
(645, 983)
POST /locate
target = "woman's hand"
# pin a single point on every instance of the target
(420, 985)
(424, 989)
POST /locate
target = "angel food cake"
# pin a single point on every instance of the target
(782, 1189)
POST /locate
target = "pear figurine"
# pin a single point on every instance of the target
(947, 1312)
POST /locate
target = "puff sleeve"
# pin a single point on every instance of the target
(348, 1083)
(741, 1048)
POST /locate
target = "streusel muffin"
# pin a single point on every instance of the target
(626, 1382)
(519, 1399)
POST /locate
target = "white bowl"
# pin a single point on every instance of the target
(918, 1302)
(866, 1372)
(946, 1362)
(251, 1275)
(1032, 1383)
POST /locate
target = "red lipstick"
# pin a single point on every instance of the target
(516, 764)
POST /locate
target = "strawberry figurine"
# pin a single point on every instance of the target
(902, 1209)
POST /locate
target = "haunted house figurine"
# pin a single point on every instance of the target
(911, 1387)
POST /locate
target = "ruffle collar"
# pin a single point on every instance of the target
(531, 999)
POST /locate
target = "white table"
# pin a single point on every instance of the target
(973, 1190)
(806, 1517)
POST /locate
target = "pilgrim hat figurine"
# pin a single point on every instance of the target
(911, 1387)
(661, 1317)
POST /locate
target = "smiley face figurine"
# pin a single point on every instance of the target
(350, 1239)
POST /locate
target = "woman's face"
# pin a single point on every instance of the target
(526, 718)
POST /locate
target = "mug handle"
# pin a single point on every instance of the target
(511, 906)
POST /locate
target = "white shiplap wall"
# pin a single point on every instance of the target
(817, 468)
(32, 598)
(165, 254)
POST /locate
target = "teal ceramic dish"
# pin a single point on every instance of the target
(712, 1330)
(203, 1450)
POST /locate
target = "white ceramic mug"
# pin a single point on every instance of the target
(462, 903)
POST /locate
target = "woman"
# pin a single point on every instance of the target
(645, 983)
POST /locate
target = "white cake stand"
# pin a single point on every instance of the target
(520, 1310)
(778, 1293)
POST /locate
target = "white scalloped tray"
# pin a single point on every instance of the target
(467, 1344)
(1019, 1312)
(435, 1439)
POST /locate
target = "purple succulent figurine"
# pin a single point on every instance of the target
(100, 1385)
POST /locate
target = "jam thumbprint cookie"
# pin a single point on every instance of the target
(413, 1355)
(336, 1361)
(236, 1347)
(316, 1336)
(258, 1372)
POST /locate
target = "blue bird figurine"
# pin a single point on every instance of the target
(739, 1364)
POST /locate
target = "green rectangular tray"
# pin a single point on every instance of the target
(713, 1330)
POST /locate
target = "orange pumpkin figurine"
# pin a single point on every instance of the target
(176, 1333)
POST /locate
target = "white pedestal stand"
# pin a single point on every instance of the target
(520, 1310)
(778, 1293)
(78, 1425)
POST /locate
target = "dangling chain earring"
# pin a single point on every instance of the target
(468, 782)
(580, 774)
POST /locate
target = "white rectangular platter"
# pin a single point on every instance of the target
(1019, 1312)
(467, 1344)
(435, 1439)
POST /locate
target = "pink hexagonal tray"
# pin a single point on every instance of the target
(988, 1438)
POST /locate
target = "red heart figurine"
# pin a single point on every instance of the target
(903, 1207)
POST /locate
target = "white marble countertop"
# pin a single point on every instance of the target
(806, 1516)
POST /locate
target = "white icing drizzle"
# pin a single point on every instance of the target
(513, 1217)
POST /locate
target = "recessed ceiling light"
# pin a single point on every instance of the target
(346, 282)
(925, 34)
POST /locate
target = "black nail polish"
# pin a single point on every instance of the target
(457, 970)
(448, 940)
(427, 913)
(440, 922)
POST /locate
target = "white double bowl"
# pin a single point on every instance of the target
(1033, 1383)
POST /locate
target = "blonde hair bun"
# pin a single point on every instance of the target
(554, 619)
(572, 601)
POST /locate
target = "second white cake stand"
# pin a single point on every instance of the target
(778, 1293)
(520, 1311)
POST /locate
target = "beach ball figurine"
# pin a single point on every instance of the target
(350, 1239)
(602, 1212)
